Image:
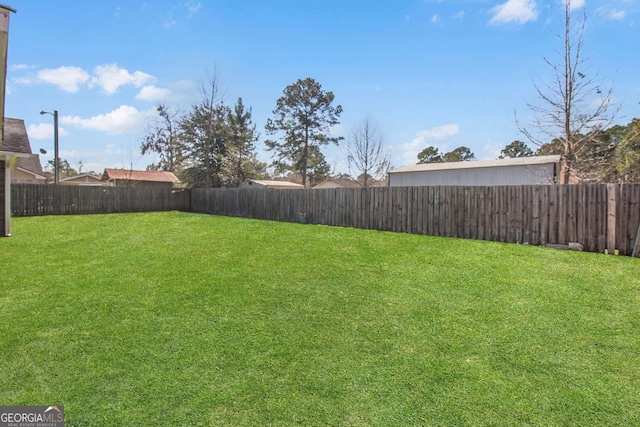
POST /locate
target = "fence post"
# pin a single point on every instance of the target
(636, 247)
(611, 217)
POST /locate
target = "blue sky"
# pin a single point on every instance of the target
(442, 73)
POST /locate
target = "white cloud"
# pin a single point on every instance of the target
(425, 138)
(491, 151)
(435, 19)
(519, 11)
(121, 120)
(181, 11)
(183, 91)
(110, 78)
(25, 81)
(577, 4)
(616, 15)
(153, 94)
(439, 132)
(19, 67)
(44, 131)
(458, 15)
(192, 7)
(69, 79)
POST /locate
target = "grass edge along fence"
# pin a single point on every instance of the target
(598, 216)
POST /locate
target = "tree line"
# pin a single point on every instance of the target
(213, 145)
(602, 156)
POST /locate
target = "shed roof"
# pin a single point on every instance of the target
(136, 175)
(518, 161)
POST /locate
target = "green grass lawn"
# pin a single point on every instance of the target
(179, 319)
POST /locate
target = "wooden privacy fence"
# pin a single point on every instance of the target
(599, 216)
(32, 199)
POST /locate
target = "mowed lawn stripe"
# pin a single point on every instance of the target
(184, 319)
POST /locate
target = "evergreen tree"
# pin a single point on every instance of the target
(515, 149)
(305, 114)
(241, 163)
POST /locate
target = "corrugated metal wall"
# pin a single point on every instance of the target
(504, 175)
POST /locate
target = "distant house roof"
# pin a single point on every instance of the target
(274, 184)
(83, 178)
(31, 164)
(136, 175)
(16, 139)
(338, 183)
(518, 161)
(37, 176)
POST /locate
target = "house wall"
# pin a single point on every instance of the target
(541, 174)
(2, 198)
(328, 184)
(21, 177)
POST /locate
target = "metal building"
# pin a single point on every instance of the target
(540, 170)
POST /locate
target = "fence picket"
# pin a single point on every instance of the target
(534, 214)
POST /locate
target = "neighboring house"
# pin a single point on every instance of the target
(338, 183)
(84, 179)
(129, 177)
(12, 150)
(383, 183)
(261, 183)
(516, 171)
(28, 169)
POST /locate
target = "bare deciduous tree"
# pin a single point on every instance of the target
(573, 107)
(163, 139)
(366, 153)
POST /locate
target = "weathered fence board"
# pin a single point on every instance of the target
(598, 216)
(32, 199)
(537, 215)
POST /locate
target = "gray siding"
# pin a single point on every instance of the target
(541, 174)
